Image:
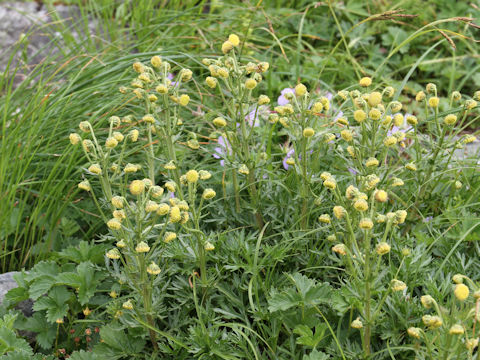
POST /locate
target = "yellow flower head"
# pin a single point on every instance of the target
(340, 249)
(365, 81)
(163, 209)
(381, 196)
(300, 90)
(359, 115)
(251, 84)
(170, 186)
(184, 99)
(412, 120)
(347, 135)
(227, 46)
(330, 183)
(456, 329)
(244, 170)
(375, 114)
(374, 98)
(234, 39)
(461, 292)
(192, 176)
(151, 206)
(411, 167)
(317, 107)
(121, 244)
(308, 132)
(361, 205)
(431, 88)
(339, 212)
(433, 101)
(450, 119)
(137, 187)
(390, 141)
(111, 142)
(400, 216)
(175, 215)
(397, 182)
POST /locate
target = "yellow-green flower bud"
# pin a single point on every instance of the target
(175, 215)
(118, 201)
(343, 94)
(192, 176)
(412, 120)
(339, 212)
(113, 254)
(84, 185)
(427, 301)
(431, 88)
(398, 285)
(85, 126)
(390, 141)
(397, 182)
(121, 244)
(204, 175)
(371, 162)
(234, 39)
(325, 218)
(357, 323)
(184, 99)
(244, 170)
(111, 142)
(169, 236)
(365, 224)
(263, 100)
(359, 115)
(209, 246)
(114, 224)
(219, 122)
(151, 206)
(95, 169)
(400, 216)
(153, 269)
(375, 114)
(382, 248)
(329, 137)
(456, 330)
(420, 96)
(330, 183)
(209, 194)
(414, 332)
(361, 205)
(411, 167)
(458, 184)
(142, 247)
(74, 138)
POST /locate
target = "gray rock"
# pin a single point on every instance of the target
(6, 284)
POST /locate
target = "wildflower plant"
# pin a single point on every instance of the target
(146, 203)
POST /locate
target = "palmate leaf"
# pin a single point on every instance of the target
(55, 303)
(45, 331)
(9, 342)
(83, 355)
(117, 344)
(316, 355)
(41, 278)
(304, 292)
